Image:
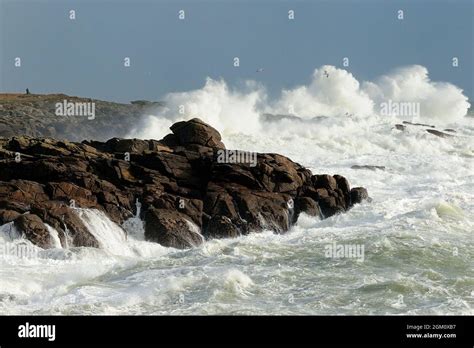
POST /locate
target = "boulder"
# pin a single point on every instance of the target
(358, 194)
(68, 224)
(324, 181)
(306, 205)
(221, 227)
(439, 133)
(171, 229)
(7, 216)
(33, 228)
(196, 131)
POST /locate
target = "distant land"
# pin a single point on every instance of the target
(35, 115)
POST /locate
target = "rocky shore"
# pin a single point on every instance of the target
(186, 191)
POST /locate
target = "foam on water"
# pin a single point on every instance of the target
(417, 232)
(56, 242)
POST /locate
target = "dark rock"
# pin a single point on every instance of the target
(342, 183)
(324, 181)
(71, 193)
(170, 228)
(181, 184)
(306, 205)
(196, 131)
(63, 218)
(34, 229)
(439, 134)
(329, 206)
(7, 216)
(221, 227)
(130, 145)
(358, 194)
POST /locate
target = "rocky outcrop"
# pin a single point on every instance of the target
(431, 129)
(187, 188)
(439, 133)
(35, 115)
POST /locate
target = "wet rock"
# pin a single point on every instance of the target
(170, 228)
(358, 194)
(306, 205)
(181, 184)
(196, 131)
(129, 145)
(221, 227)
(439, 134)
(342, 183)
(66, 221)
(324, 181)
(33, 229)
(7, 216)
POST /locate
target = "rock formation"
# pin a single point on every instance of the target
(186, 192)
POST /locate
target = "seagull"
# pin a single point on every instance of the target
(259, 70)
(326, 73)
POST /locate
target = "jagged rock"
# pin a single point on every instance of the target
(33, 229)
(358, 194)
(170, 229)
(439, 134)
(196, 131)
(324, 181)
(221, 227)
(180, 181)
(66, 222)
(306, 205)
(72, 194)
(129, 145)
(342, 183)
(8, 216)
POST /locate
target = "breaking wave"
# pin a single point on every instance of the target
(331, 92)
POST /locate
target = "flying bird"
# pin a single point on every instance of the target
(259, 70)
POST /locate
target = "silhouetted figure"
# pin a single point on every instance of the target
(27, 91)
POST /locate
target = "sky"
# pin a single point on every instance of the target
(85, 56)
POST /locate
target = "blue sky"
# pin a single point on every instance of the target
(85, 57)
